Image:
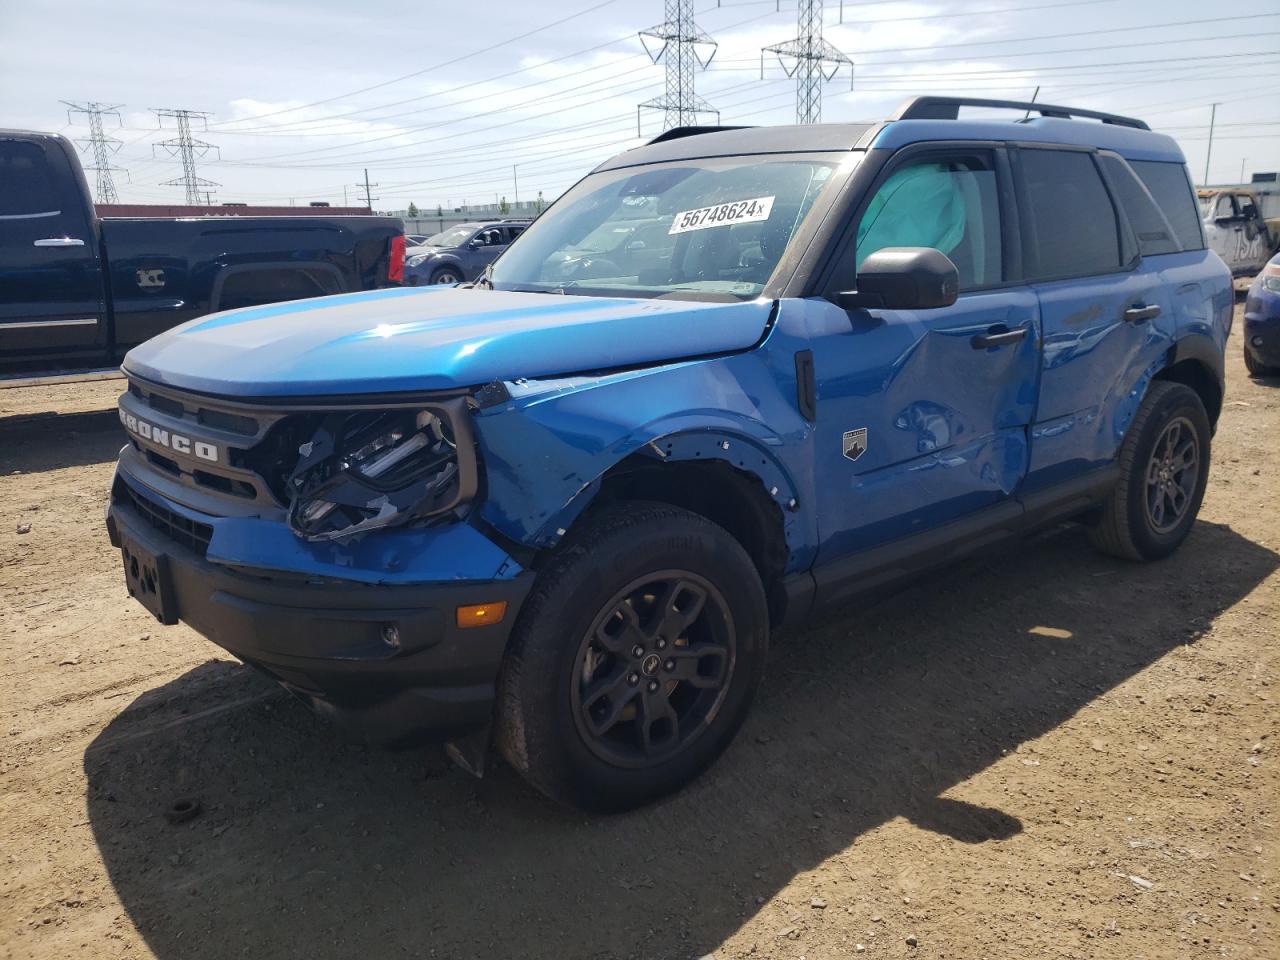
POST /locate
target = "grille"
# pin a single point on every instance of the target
(191, 534)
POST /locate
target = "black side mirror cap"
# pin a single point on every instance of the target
(904, 278)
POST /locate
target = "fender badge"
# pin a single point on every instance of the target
(151, 279)
(855, 443)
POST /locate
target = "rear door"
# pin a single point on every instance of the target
(51, 291)
(1105, 310)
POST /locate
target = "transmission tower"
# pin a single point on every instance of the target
(811, 61)
(681, 44)
(100, 144)
(188, 148)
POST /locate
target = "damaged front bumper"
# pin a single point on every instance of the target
(378, 650)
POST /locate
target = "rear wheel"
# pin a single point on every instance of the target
(635, 658)
(1164, 468)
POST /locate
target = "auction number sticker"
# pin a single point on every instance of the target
(722, 215)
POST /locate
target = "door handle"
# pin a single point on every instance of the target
(996, 337)
(59, 242)
(1142, 313)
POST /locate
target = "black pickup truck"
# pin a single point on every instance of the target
(78, 291)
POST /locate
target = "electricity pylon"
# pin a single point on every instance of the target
(681, 51)
(187, 148)
(100, 145)
(812, 60)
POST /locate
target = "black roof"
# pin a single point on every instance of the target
(736, 141)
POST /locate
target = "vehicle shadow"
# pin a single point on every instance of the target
(31, 443)
(309, 847)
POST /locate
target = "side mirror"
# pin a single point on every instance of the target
(904, 278)
(475, 244)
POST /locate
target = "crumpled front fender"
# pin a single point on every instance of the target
(546, 449)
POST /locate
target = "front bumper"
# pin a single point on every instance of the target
(1262, 327)
(324, 640)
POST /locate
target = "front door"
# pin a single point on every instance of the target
(922, 414)
(51, 300)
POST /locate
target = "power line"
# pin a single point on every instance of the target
(811, 56)
(187, 148)
(437, 66)
(100, 145)
(682, 42)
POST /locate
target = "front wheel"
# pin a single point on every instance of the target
(635, 658)
(1256, 367)
(446, 276)
(1164, 469)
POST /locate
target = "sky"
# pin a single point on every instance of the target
(439, 104)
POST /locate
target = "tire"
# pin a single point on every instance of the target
(607, 712)
(1154, 504)
(446, 275)
(1256, 367)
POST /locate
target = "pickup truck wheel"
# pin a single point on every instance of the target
(446, 275)
(1164, 468)
(635, 658)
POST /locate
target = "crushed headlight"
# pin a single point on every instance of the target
(368, 471)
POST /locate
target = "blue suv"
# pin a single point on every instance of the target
(460, 253)
(731, 378)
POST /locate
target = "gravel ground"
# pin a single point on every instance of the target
(1043, 753)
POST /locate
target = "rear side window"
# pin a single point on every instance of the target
(946, 203)
(26, 182)
(1074, 231)
(1171, 188)
(1155, 235)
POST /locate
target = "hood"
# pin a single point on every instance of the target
(433, 338)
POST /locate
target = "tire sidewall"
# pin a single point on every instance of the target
(446, 271)
(1183, 402)
(558, 759)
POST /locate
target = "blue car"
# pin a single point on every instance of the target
(730, 379)
(1262, 322)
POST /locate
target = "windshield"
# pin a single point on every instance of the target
(453, 237)
(714, 227)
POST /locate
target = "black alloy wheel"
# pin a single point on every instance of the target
(654, 668)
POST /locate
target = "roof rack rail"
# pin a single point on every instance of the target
(948, 108)
(676, 133)
(515, 219)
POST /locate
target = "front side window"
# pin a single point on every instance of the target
(26, 182)
(1074, 230)
(714, 227)
(950, 204)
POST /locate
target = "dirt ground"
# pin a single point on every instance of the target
(1044, 753)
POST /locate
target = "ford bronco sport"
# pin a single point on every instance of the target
(732, 377)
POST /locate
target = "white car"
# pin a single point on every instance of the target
(1235, 230)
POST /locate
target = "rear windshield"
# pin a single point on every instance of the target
(714, 227)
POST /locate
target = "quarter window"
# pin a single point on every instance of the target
(26, 186)
(1074, 231)
(1171, 188)
(950, 204)
(1155, 235)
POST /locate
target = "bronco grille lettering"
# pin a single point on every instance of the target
(173, 441)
